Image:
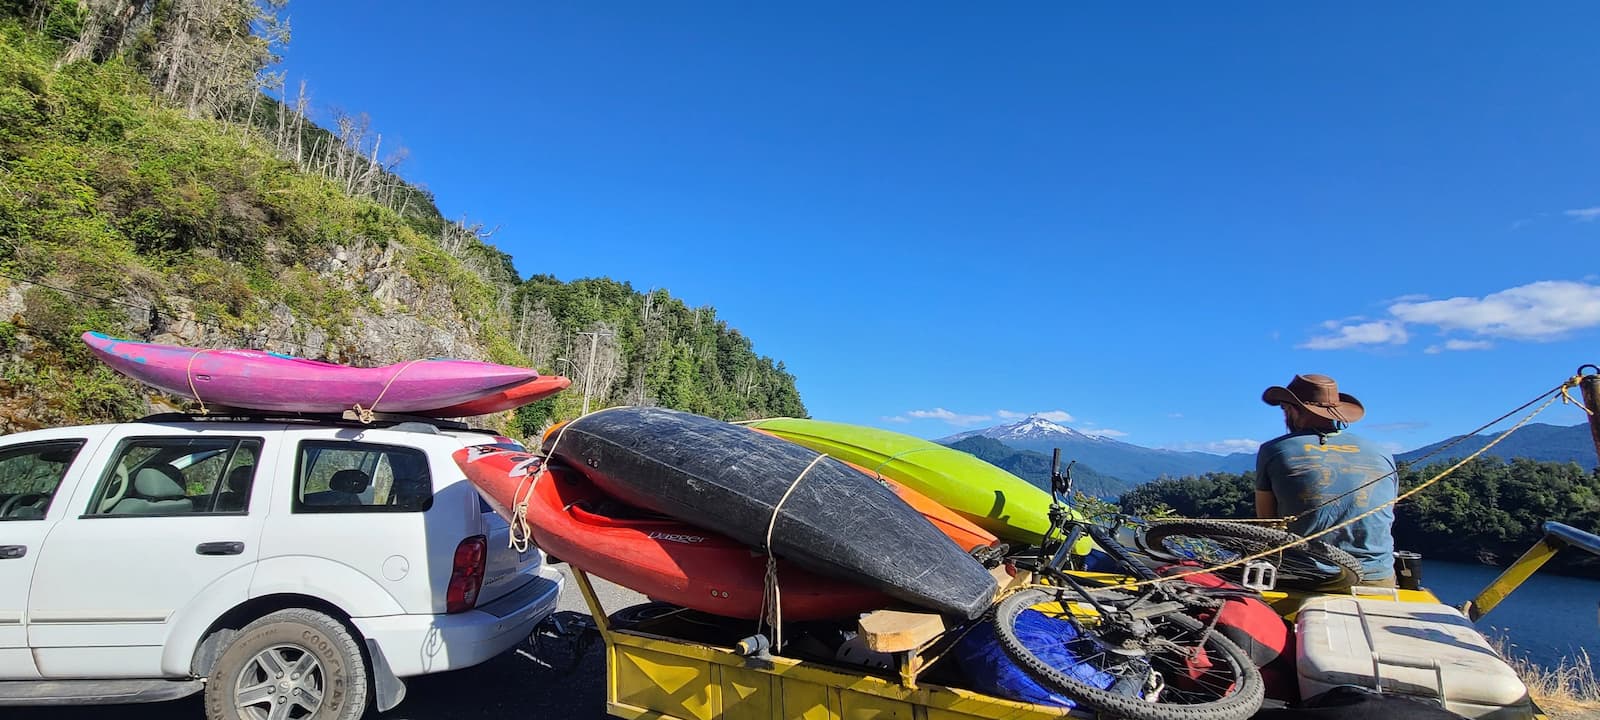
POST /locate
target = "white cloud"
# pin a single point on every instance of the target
(1106, 432)
(952, 418)
(1454, 344)
(1544, 310)
(1009, 415)
(1583, 214)
(1539, 311)
(895, 419)
(1059, 416)
(1376, 332)
(1220, 447)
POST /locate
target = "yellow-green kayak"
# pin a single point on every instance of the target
(1002, 503)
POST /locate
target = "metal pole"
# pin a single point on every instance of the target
(1590, 385)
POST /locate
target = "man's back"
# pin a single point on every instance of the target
(1305, 469)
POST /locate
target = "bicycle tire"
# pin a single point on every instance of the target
(1239, 700)
(1119, 553)
(1297, 566)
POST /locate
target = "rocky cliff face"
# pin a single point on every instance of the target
(379, 313)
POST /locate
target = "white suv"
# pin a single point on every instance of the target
(288, 568)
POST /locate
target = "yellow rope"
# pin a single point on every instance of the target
(367, 414)
(771, 595)
(1403, 496)
(1568, 399)
(189, 373)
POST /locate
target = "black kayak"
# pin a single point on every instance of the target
(726, 478)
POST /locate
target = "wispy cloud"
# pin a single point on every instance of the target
(1543, 310)
(1539, 311)
(1009, 415)
(1219, 447)
(1459, 345)
(1524, 222)
(1587, 214)
(1106, 432)
(1376, 332)
(1175, 415)
(939, 413)
(895, 419)
(1402, 426)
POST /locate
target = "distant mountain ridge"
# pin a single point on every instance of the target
(1535, 441)
(1129, 463)
(1035, 467)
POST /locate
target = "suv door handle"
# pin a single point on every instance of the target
(219, 548)
(12, 552)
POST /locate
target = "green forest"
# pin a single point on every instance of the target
(159, 181)
(1489, 511)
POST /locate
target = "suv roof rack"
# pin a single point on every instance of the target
(347, 419)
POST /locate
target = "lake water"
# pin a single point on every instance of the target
(1549, 617)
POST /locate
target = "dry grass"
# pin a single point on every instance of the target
(1568, 691)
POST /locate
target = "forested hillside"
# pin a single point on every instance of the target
(152, 187)
(1488, 511)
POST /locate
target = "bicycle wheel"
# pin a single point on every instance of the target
(1165, 667)
(1313, 565)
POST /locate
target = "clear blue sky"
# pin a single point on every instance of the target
(1140, 216)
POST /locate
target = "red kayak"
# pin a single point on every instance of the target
(665, 559)
(510, 398)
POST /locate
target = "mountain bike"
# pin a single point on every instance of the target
(1130, 652)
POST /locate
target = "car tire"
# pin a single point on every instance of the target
(298, 657)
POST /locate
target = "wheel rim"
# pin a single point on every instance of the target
(283, 682)
(1172, 657)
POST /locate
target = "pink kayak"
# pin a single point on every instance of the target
(255, 380)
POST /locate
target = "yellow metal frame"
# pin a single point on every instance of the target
(655, 677)
(661, 678)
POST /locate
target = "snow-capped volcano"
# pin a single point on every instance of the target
(1033, 428)
(1108, 456)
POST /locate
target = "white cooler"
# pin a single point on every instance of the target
(1418, 649)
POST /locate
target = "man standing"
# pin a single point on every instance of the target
(1317, 462)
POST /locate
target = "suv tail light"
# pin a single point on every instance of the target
(466, 574)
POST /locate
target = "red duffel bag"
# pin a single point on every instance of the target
(1254, 626)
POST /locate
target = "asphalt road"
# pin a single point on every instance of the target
(531, 681)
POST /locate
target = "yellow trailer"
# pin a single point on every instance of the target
(653, 672)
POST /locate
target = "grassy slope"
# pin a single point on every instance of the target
(106, 192)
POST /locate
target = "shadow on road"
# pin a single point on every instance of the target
(551, 683)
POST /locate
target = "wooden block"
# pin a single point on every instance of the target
(899, 630)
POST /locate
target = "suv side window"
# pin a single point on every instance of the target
(350, 477)
(30, 475)
(179, 476)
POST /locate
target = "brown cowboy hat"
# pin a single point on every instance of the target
(1318, 395)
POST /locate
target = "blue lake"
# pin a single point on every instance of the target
(1548, 618)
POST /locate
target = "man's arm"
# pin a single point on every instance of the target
(1266, 504)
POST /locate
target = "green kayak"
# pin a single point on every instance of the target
(1002, 503)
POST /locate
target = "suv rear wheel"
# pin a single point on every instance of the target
(292, 664)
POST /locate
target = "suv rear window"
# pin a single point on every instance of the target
(352, 477)
(179, 476)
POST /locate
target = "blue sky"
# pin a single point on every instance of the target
(940, 215)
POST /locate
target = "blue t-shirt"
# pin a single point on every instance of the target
(1305, 469)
